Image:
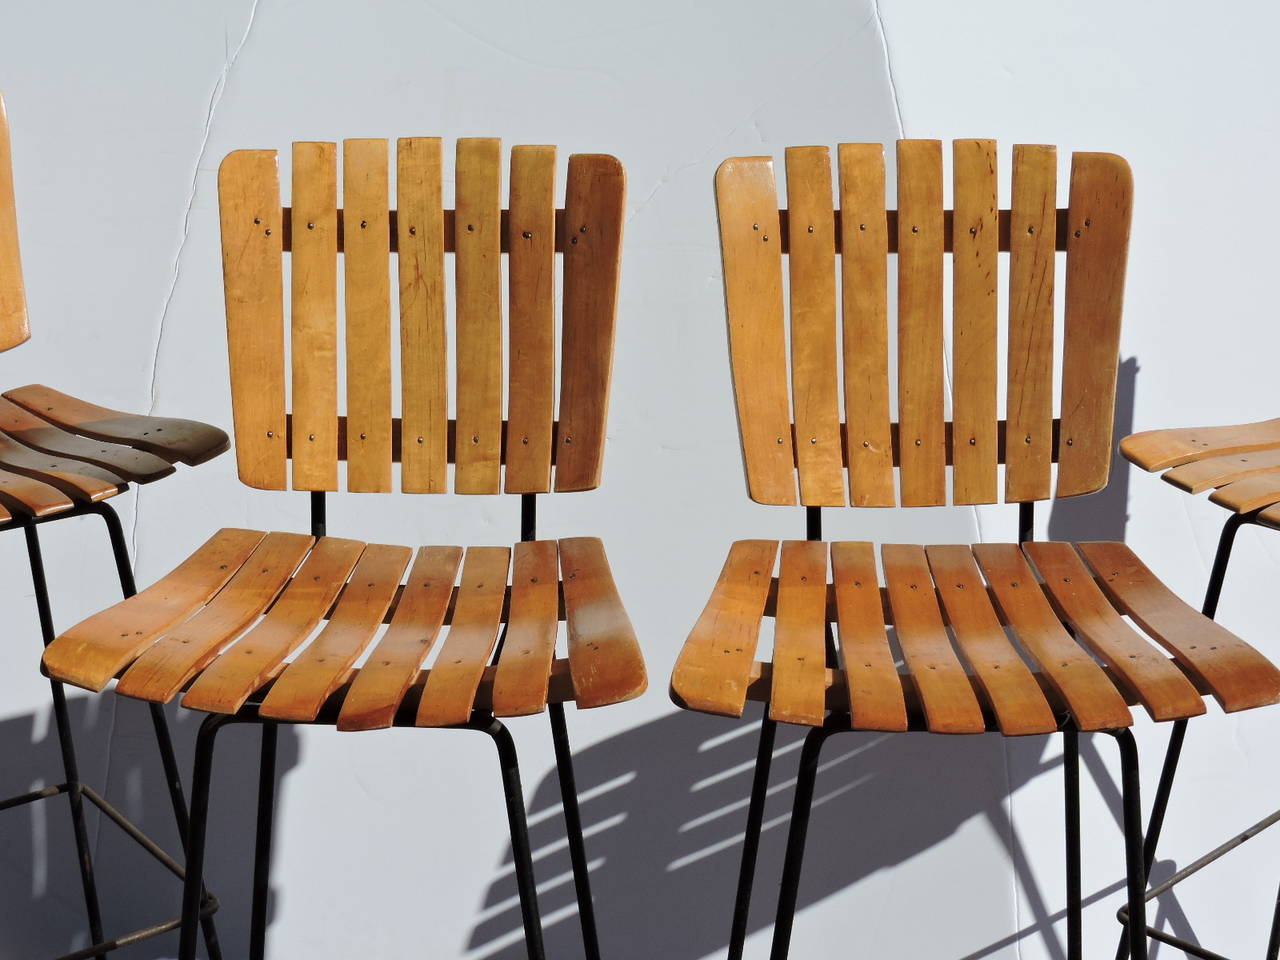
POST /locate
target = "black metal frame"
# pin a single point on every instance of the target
(1136, 850)
(482, 722)
(75, 790)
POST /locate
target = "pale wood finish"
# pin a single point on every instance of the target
(523, 677)
(14, 328)
(1201, 475)
(800, 640)
(874, 687)
(604, 655)
(1162, 449)
(1249, 494)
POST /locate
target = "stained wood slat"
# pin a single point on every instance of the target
(747, 200)
(306, 683)
(875, 688)
(393, 664)
(524, 670)
(531, 272)
(423, 337)
(164, 667)
(1149, 676)
(713, 669)
(800, 635)
(1201, 475)
(83, 481)
(29, 496)
(1029, 448)
(366, 200)
(1237, 675)
(478, 266)
(922, 475)
(814, 382)
(604, 655)
(188, 441)
(594, 210)
(449, 693)
(314, 317)
(975, 269)
(1162, 449)
(1100, 208)
(1014, 695)
(1249, 494)
(248, 664)
(253, 284)
(946, 694)
(13, 299)
(31, 431)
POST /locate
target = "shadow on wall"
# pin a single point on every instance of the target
(42, 910)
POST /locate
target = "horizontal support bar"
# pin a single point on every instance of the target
(948, 230)
(393, 245)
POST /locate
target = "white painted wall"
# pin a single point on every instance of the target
(391, 844)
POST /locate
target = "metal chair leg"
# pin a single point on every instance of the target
(193, 887)
(521, 853)
(790, 886)
(1273, 942)
(1135, 866)
(751, 838)
(573, 829)
(1071, 805)
(262, 843)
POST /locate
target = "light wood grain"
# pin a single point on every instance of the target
(604, 654)
(26, 495)
(1201, 475)
(14, 327)
(523, 676)
(1249, 494)
(874, 686)
(1162, 449)
(800, 638)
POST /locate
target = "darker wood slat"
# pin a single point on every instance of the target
(871, 676)
(892, 217)
(80, 480)
(30, 496)
(448, 228)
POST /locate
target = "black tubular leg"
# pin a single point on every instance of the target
(1026, 521)
(192, 887)
(751, 838)
(790, 886)
(1071, 805)
(1226, 540)
(573, 828)
(1273, 944)
(813, 523)
(318, 522)
(262, 845)
(1135, 866)
(521, 854)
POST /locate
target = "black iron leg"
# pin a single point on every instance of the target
(262, 844)
(1273, 943)
(751, 838)
(521, 854)
(1071, 806)
(1135, 865)
(573, 828)
(192, 886)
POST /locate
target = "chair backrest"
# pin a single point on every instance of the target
(285, 374)
(791, 424)
(13, 297)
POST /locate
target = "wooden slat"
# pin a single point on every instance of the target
(595, 201)
(523, 674)
(814, 383)
(1097, 249)
(314, 317)
(800, 635)
(1091, 698)
(81, 480)
(253, 284)
(1014, 695)
(1252, 493)
(13, 299)
(26, 495)
(1162, 449)
(1201, 475)
(531, 270)
(713, 669)
(366, 200)
(875, 688)
(1237, 675)
(478, 266)
(922, 475)
(1029, 447)
(393, 664)
(163, 668)
(424, 361)
(1149, 676)
(747, 200)
(39, 434)
(450, 691)
(946, 693)
(604, 655)
(258, 656)
(307, 682)
(975, 270)
(188, 441)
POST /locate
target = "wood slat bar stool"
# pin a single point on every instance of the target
(1015, 638)
(284, 627)
(62, 457)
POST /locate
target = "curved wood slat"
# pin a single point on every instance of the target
(1237, 675)
(875, 687)
(306, 683)
(244, 667)
(1270, 517)
(449, 693)
(94, 650)
(946, 693)
(747, 200)
(379, 687)
(26, 495)
(1252, 493)
(1201, 475)
(163, 668)
(1157, 684)
(1162, 449)
(1090, 697)
(523, 676)
(814, 379)
(1014, 695)
(713, 670)
(13, 299)
(187, 441)
(32, 431)
(76, 478)
(799, 692)
(604, 655)
(5, 515)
